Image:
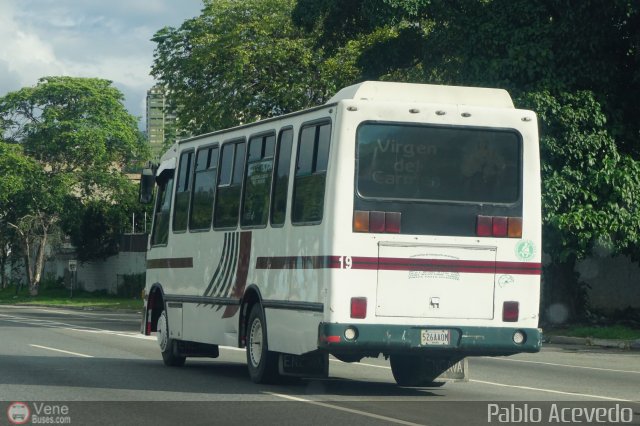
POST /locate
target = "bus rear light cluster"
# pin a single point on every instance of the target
(359, 307)
(510, 311)
(380, 222)
(499, 226)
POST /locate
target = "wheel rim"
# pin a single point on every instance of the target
(255, 342)
(162, 332)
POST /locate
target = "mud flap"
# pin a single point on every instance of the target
(312, 364)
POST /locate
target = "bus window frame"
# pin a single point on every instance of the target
(289, 193)
(233, 141)
(316, 122)
(166, 176)
(175, 188)
(262, 135)
(518, 134)
(215, 192)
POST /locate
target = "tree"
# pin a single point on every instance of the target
(95, 226)
(238, 62)
(15, 169)
(590, 191)
(76, 136)
(575, 63)
(519, 45)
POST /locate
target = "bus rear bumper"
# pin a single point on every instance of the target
(373, 339)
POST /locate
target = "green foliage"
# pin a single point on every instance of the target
(77, 129)
(95, 226)
(241, 61)
(590, 191)
(68, 140)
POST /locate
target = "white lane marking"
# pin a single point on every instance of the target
(102, 316)
(519, 387)
(60, 350)
(348, 410)
(551, 391)
(561, 365)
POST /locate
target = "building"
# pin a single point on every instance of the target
(160, 121)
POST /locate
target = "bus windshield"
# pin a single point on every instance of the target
(430, 163)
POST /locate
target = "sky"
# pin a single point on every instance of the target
(108, 39)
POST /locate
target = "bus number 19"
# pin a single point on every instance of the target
(345, 262)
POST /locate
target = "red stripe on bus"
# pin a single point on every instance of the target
(171, 262)
(242, 271)
(400, 264)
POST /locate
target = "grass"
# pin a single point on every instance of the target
(620, 332)
(61, 297)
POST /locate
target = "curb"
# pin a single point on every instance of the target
(592, 341)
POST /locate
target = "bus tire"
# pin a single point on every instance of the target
(168, 346)
(261, 362)
(411, 370)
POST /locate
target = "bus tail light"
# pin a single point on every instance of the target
(359, 307)
(378, 222)
(515, 227)
(499, 226)
(510, 311)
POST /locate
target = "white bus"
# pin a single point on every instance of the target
(397, 219)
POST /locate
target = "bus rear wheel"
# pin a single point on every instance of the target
(413, 370)
(261, 362)
(167, 345)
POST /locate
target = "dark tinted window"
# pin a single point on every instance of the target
(160, 232)
(311, 166)
(227, 203)
(438, 163)
(204, 185)
(255, 208)
(183, 192)
(281, 177)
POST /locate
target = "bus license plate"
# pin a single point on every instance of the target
(435, 337)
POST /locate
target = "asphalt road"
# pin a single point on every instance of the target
(93, 367)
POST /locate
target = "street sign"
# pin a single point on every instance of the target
(73, 265)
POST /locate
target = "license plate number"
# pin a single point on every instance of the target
(435, 337)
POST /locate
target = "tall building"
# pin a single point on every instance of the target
(160, 121)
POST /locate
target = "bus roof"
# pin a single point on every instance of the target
(429, 93)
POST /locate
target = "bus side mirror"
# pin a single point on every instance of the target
(147, 182)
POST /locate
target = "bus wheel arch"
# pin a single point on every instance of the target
(155, 306)
(251, 297)
(262, 363)
(158, 322)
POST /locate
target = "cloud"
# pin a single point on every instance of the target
(104, 39)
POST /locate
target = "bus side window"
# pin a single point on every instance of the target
(255, 206)
(311, 172)
(183, 192)
(160, 231)
(281, 178)
(204, 186)
(226, 211)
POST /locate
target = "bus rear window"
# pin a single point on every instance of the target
(417, 162)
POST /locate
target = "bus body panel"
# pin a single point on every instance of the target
(307, 275)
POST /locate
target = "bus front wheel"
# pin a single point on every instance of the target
(167, 344)
(261, 362)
